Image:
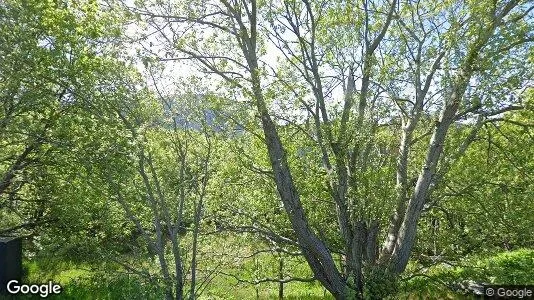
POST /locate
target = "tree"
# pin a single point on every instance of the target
(421, 68)
(171, 186)
(53, 61)
(89, 164)
(488, 187)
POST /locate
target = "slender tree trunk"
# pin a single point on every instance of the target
(178, 269)
(21, 162)
(407, 230)
(198, 216)
(281, 277)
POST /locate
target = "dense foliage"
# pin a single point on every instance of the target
(261, 149)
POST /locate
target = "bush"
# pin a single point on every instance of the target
(443, 280)
(379, 283)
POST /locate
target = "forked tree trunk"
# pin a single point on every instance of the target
(362, 243)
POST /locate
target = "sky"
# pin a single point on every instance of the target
(175, 76)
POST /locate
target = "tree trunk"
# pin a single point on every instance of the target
(371, 247)
(196, 230)
(281, 277)
(407, 231)
(314, 250)
(179, 285)
(356, 265)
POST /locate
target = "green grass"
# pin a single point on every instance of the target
(223, 288)
(515, 267)
(79, 283)
(59, 272)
